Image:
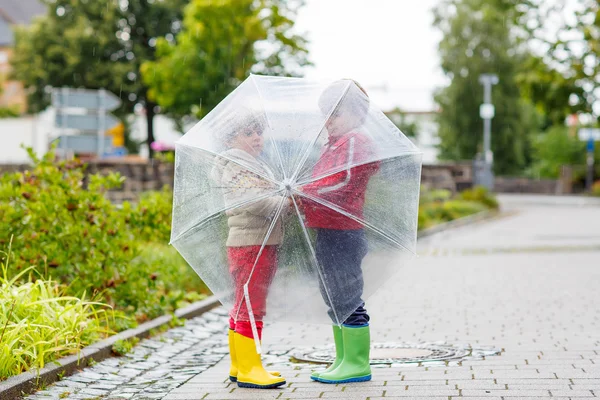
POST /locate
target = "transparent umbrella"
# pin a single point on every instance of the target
(266, 181)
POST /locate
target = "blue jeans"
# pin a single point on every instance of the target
(340, 254)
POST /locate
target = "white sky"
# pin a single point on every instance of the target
(377, 43)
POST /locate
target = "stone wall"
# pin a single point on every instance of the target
(144, 176)
(524, 185)
(140, 176)
(451, 176)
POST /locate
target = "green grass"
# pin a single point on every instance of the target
(38, 324)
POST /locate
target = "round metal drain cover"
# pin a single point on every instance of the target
(402, 353)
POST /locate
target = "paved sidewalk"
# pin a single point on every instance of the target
(526, 284)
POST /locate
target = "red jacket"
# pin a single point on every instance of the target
(346, 188)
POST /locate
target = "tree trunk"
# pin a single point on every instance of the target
(150, 123)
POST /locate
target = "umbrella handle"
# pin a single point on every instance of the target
(252, 320)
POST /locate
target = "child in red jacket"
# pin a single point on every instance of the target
(341, 176)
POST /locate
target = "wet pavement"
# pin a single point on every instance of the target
(524, 287)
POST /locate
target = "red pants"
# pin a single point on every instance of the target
(241, 260)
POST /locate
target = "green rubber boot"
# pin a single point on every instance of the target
(339, 353)
(355, 365)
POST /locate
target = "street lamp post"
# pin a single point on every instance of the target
(486, 111)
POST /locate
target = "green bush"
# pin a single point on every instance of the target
(429, 196)
(437, 206)
(596, 189)
(479, 194)
(39, 323)
(9, 112)
(71, 230)
(62, 222)
(159, 281)
(554, 149)
(122, 347)
(151, 217)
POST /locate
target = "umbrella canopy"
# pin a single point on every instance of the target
(270, 172)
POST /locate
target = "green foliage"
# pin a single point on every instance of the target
(227, 39)
(151, 217)
(122, 347)
(479, 194)
(71, 230)
(437, 213)
(575, 50)
(159, 281)
(478, 39)
(437, 206)
(165, 157)
(39, 323)
(9, 112)
(63, 223)
(73, 45)
(434, 195)
(94, 44)
(554, 149)
(549, 90)
(596, 189)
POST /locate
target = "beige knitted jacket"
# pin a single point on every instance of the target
(248, 223)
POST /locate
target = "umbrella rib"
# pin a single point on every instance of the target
(230, 207)
(346, 214)
(258, 173)
(358, 164)
(309, 148)
(315, 260)
(260, 96)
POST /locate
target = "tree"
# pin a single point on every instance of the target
(550, 91)
(576, 51)
(95, 44)
(220, 44)
(478, 38)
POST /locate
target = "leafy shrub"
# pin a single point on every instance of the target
(454, 209)
(151, 217)
(9, 112)
(38, 323)
(428, 196)
(596, 189)
(70, 229)
(122, 347)
(62, 222)
(159, 281)
(479, 194)
(437, 206)
(554, 149)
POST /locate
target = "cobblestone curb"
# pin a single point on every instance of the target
(19, 385)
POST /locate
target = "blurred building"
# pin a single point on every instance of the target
(12, 13)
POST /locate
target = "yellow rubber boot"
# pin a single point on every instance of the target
(233, 370)
(251, 373)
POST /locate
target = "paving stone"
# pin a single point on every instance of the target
(577, 393)
(537, 306)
